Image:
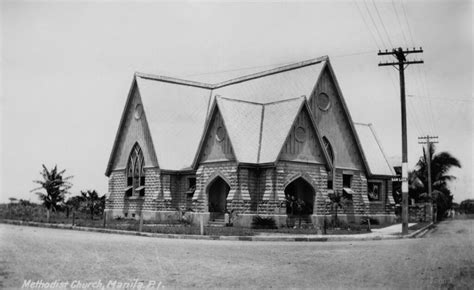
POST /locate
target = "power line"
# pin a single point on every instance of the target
(443, 99)
(399, 22)
(429, 106)
(408, 24)
(383, 25)
(429, 114)
(419, 72)
(375, 25)
(401, 64)
(415, 117)
(367, 25)
(273, 65)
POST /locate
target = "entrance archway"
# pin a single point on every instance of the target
(300, 195)
(217, 192)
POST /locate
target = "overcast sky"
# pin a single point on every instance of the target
(67, 68)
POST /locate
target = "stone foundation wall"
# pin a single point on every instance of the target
(118, 202)
(253, 191)
(206, 174)
(419, 212)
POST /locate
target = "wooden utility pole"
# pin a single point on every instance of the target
(400, 65)
(428, 140)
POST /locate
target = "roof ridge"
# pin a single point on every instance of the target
(271, 71)
(174, 80)
(283, 101)
(238, 100)
(363, 124)
(257, 103)
(377, 140)
(232, 81)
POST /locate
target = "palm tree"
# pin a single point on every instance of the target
(92, 202)
(56, 187)
(441, 164)
(336, 200)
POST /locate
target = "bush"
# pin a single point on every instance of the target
(365, 220)
(259, 222)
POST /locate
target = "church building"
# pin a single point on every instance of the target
(246, 146)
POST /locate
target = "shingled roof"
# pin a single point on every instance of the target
(176, 111)
(258, 131)
(373, 151)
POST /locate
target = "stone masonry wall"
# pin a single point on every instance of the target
(359, 205)
(206, 173)
(134, 204)
(315, 174)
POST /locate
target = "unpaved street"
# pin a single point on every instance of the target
(442, 259)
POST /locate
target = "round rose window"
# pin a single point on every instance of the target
(220, 134)
(300, 134)
(138, 111)
(323, 101)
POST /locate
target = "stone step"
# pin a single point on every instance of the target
(216, 224)
(219, 222)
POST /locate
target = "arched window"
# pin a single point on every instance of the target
(329, 150)
(135, 173)
(328, 147)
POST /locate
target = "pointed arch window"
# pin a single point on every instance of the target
(135, 173)
(329, 150)
(328, 147)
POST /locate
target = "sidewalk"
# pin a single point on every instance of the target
(388, 233)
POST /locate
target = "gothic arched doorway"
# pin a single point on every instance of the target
(300, 195)
(217, 193)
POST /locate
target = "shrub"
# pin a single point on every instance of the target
(365, 220)
(259, 222)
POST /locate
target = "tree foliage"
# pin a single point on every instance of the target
(55, 186)
(92, 202)
(337, 200)
(467, 206)
(88, 202)
(441, 163)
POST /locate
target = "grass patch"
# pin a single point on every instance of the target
(418, 226)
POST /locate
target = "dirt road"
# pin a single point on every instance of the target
(442, 259)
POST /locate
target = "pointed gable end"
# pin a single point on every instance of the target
(215, 143)
(334, 122)
(303, 142)
(133, 128)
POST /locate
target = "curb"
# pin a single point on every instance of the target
(420, 232)
(326, 238)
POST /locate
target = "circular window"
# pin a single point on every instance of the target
(300, 134)
(220, 134)
(323, 102)
(138, 111)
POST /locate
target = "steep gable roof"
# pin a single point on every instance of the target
(177, 109)
(243, 123)
(328, 70)
(257, 131)
(376, 159)
(278, 120)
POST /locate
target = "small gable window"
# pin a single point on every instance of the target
(220, 134)
(300, 134)
(135, 173)
(323, 102)
(138, 111)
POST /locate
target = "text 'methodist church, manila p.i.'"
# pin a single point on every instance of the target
(246, 145)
